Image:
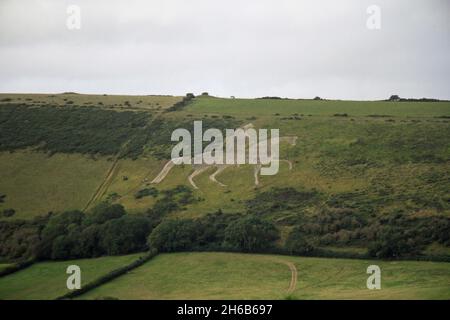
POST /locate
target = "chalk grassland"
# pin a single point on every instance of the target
(35, 183)
(334, 155)
(118, 102)
(269, 107)
(242, 276)
(394, 153)
(47, 280)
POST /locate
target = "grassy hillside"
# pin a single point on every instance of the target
(395, 147)
(359, 174)
(284, 107)
(47, 280)
(35, 183)
(376, 160)
(153, 103)
(241, 276)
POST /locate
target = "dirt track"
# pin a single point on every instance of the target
(213, 176)
(293, 282)
(104, 185)
(167, 167)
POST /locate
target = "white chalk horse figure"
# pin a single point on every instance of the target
(200, 168)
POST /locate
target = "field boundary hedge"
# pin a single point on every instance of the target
(16, 267)
(109, 276)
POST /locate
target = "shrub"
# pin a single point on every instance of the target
(8, 212)
(146, 192)
(394, 243)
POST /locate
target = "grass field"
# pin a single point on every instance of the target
(142, 103)
(35, 183)
(242, 276)
(234, 276)
(264, 107)
(47, 280)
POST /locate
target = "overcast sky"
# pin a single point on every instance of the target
(245, 48)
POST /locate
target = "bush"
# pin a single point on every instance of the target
(394, 243)
(146, 193)
(8, 212)
(297, 243)
(71, 129)
(394, 97)
(20, 239)
(250, 234)
(181, 104)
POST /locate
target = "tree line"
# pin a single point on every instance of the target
(109, 230)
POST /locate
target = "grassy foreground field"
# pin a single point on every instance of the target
(244, 276)
(47, 280)
(234, 276)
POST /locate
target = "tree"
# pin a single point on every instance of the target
(8, 212)
(58, 225)
(394, 97)
(90, 241)
(104, 212)
(393, 243)
(124, 235)
(250, 234)
(174, 235)
(63, 247)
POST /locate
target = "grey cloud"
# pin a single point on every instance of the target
(242, 48)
